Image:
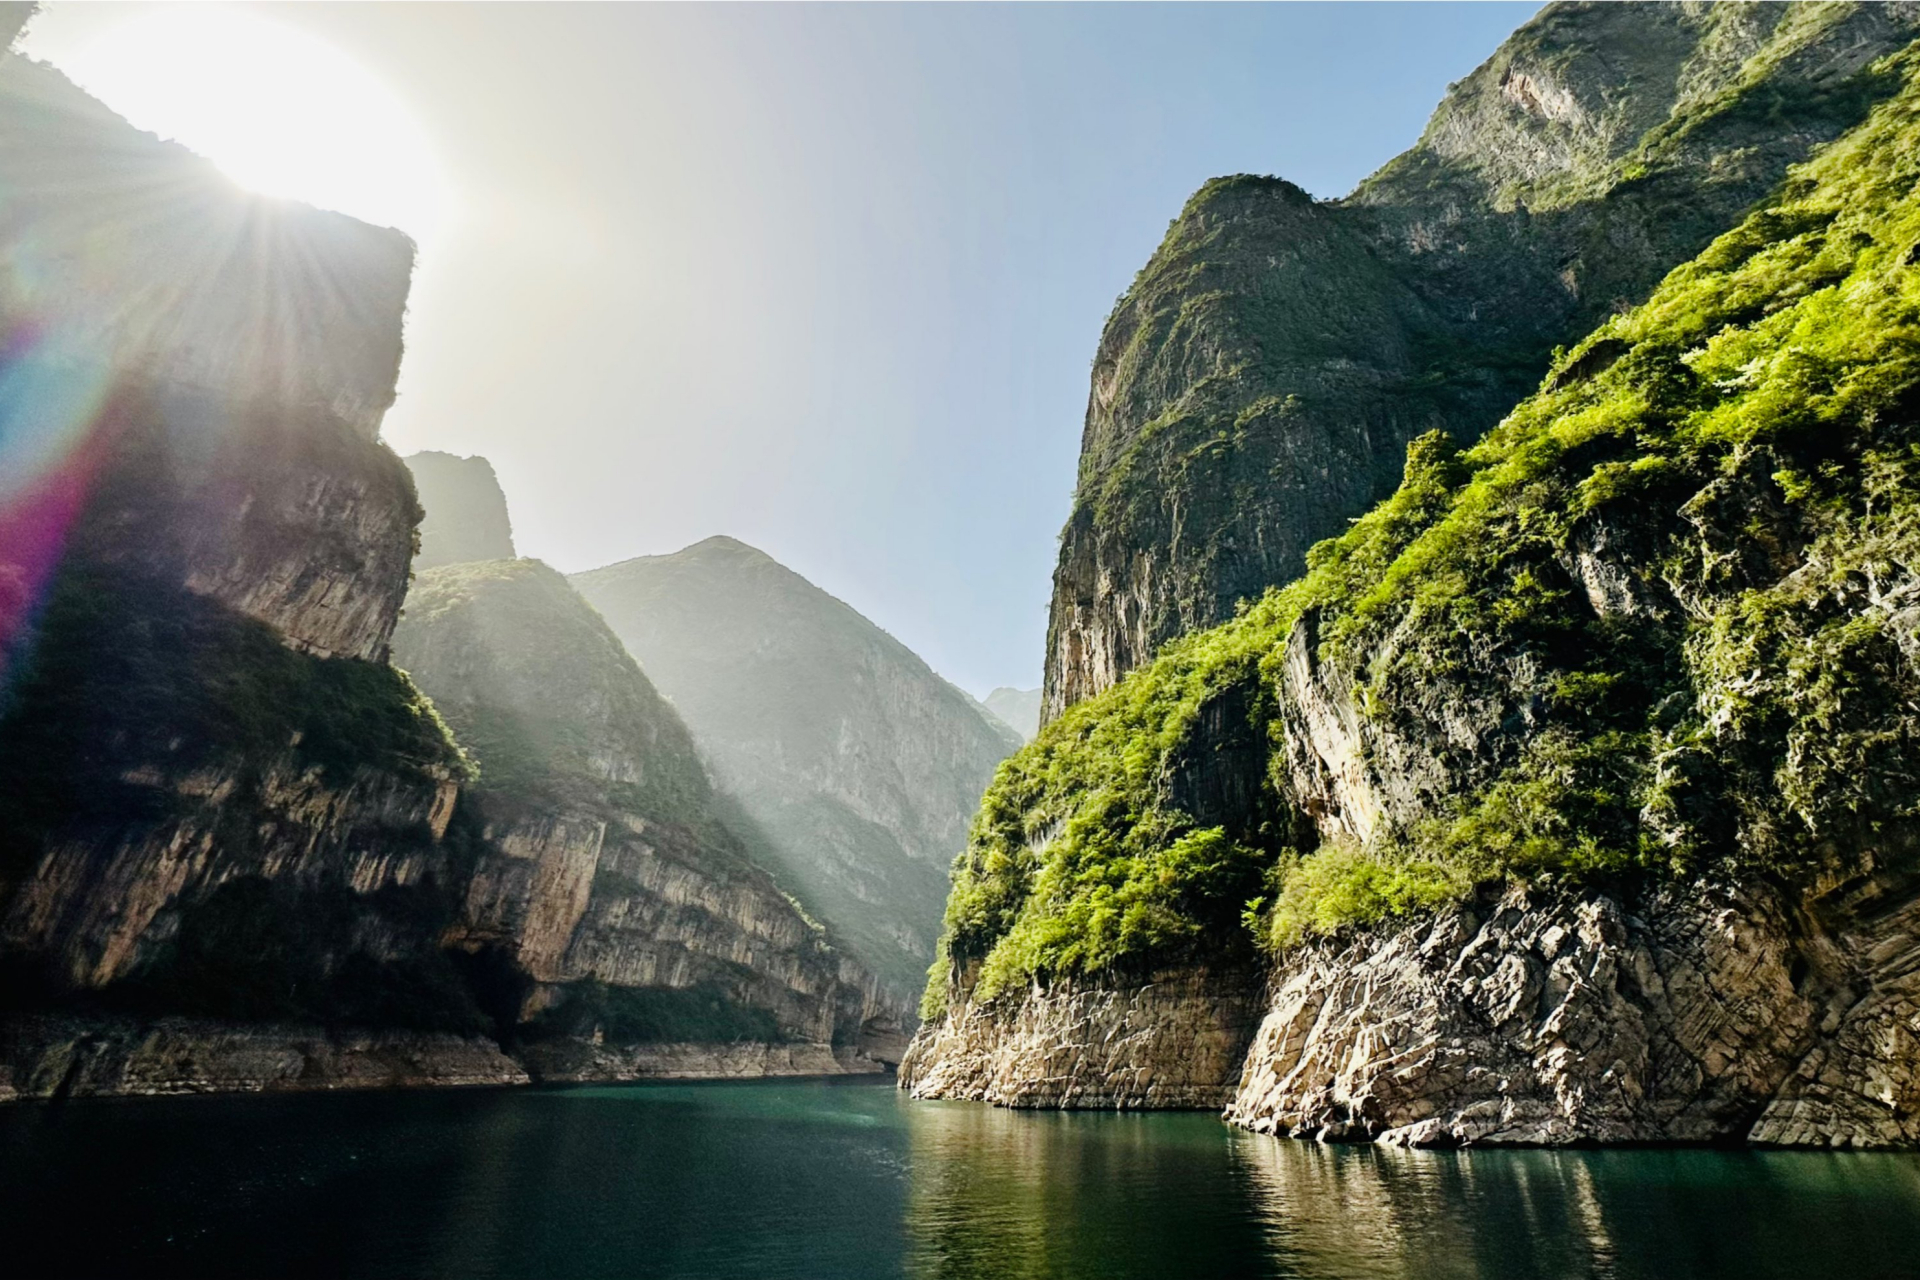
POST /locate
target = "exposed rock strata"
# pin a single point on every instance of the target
(1177, 1041)
(1694, 1015)
(596, 853)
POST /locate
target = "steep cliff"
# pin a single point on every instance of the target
(1568, 795)
(1258, 383)
(859, 764)
(216, 799)
(464, 513)
(599, 871)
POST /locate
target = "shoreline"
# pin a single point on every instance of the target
(53, 1059)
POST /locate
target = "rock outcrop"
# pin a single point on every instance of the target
(216, 798)
(464, 513)
(857, 764)
(1257, 385)
(1694, 1013)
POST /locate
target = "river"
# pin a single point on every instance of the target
(845, 1180)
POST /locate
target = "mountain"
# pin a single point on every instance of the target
(464, 513)
(601, 872)
(217, 799)
(1567, 796)
(859, 764)
(1018, 709)
(239, 849)
(1258, 383)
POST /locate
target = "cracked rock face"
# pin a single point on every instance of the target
(1695, 1015)
(1175, 1042)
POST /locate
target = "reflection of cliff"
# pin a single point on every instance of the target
(1387, 1214)
(1044, 1194)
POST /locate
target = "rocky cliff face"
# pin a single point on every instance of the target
(598, 864)
(1257, 385)
(229, 356)
(1696, 1013)
(1568, 794)
(464, 511)
(1175, 1041)
(218, 798)
(858, 764)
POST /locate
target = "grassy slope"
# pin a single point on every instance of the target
(1757, 407)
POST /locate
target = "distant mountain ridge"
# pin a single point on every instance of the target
(1018, 709)
(860, 764)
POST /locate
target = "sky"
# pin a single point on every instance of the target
(827, 279)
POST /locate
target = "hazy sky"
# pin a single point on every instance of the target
(828, 279)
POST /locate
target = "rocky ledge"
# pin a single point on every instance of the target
(574, 1061)
(1176, 1041)
(71, 1057)
(63, 1057)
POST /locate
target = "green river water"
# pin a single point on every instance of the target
(848, 1180)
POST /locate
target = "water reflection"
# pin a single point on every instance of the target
(999, 1195)
(807, 1180)
(1002, 1195)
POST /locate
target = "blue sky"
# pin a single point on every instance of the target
(829, 279)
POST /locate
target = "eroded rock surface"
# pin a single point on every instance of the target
(1175, 1042)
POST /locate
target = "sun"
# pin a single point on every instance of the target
(280, 111)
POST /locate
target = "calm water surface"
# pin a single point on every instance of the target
(848, 1180)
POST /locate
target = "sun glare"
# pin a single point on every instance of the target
(280, 111)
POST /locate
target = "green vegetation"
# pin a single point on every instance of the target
(1661, 620)
(127, 671)
(543, 696)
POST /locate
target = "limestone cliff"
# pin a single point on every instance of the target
(1568, 795)
(599, 869)
(857, 762)
(1256, 386)
(215, 796)
(464, 513)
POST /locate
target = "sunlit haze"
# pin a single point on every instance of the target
(827, 279)
(282, 111)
